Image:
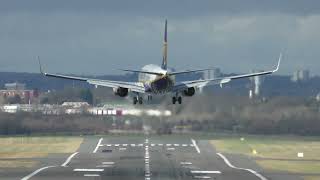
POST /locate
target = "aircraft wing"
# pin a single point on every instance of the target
(206, 82)
(132, 86)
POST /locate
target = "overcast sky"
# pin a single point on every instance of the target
(99, 36)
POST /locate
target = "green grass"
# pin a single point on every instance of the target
(283, 149)
(14, 148)
(271, 147)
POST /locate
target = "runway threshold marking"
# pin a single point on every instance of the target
(98, 145)
(249, 170)
(36, 172)
(195, 145)
(69, 159)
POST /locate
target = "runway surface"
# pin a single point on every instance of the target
(145, 158)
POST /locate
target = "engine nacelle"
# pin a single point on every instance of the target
(122, 92)
(189, 92)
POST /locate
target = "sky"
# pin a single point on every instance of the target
(97, 37)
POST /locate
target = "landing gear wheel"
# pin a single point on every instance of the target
(140, 100)
(135, 100)
(174, 99)
(179, 99)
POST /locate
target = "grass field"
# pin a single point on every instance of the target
(13, 149)
(277, 152)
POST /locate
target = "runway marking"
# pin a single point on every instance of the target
(184, 145)
(88, 170)
(195, 145)
(249, 170)
(202, 177)
(147, 162)
(205, 172)
(98, 145)
(169, 144)
(108, 163)
(91, 175)
(185, 163)
(104, 166)
(124, 145)
(69, 159)
(36, 172)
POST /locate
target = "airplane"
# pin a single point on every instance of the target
(155, 80)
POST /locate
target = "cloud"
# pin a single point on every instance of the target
(97, 37)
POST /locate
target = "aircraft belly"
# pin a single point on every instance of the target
(162, 85)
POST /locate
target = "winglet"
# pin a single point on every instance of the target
(279, 61)
(40, 66)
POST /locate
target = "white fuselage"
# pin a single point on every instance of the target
(156, 84)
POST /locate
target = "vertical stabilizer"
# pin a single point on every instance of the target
(165, 52)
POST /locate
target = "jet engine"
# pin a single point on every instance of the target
(189, 92)
(122, 92)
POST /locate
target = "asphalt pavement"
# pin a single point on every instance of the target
(147, 158)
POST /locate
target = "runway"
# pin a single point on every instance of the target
(144, 158)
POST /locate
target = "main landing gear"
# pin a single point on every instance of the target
(137, 99)
(176, 98)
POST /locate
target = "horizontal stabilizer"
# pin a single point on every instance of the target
(189, 71)
(145, 72)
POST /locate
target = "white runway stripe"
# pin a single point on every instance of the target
(232, 166)
(202, 177)
(69, 159)
(108, 163)
(36, 172)
(185, 163)
(91, 175)
(104, 166)
(88, 170)
(205, 172)
(98, 145)
(195, 145)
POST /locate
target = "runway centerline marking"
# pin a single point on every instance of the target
(195, 145)
(69, 159)
(147, 162)
(36, 172)
(98, 145)
(249, 170)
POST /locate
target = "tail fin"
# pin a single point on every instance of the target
(164, 58)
